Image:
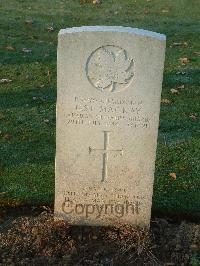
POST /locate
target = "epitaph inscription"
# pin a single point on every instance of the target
(104, 203)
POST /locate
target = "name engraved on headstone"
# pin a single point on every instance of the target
(92, 112)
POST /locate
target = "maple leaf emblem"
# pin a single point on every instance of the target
(109, 68)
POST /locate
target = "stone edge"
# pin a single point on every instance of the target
(137, 31)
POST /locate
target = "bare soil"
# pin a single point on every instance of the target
(31, 237)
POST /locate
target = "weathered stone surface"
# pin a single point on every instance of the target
(108, 102)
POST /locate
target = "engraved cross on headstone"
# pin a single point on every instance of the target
(105, 153)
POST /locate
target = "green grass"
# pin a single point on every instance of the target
(27, 104)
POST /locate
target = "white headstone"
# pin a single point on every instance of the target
(108, 102)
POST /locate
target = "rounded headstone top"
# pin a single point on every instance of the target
(130, 30)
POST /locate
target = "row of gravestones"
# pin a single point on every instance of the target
(108, 102)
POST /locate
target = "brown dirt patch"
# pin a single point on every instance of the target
(33, 238)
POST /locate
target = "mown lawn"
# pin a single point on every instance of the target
(28, 40)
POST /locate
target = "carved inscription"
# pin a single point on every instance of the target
(105, 151)
(109, 68)
(108, 113)
(115, 203)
